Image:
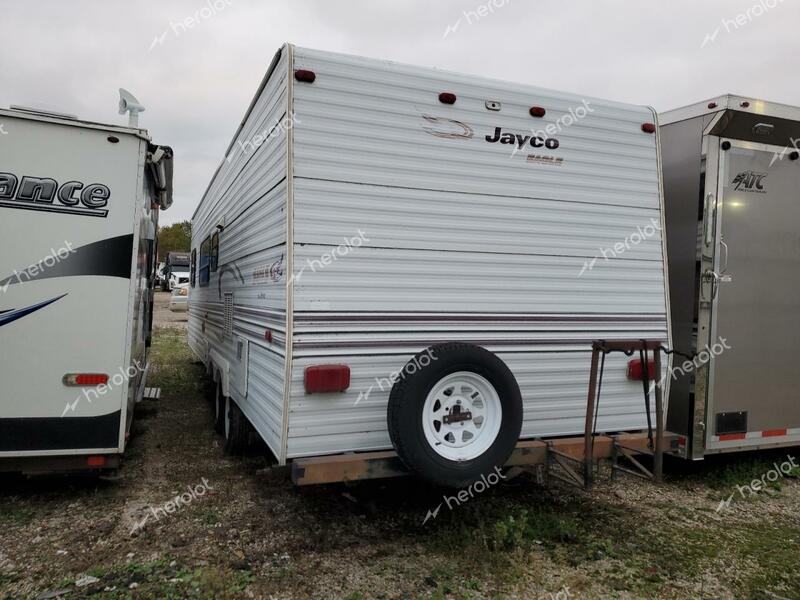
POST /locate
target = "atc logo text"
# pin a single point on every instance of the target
(750, 181)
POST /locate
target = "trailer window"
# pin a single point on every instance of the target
(205, 262)
(214, 252)
(193, 268)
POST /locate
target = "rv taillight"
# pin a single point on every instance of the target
(636, 371)
(84, 379)
(327, 378)
(447, 98)
(96, 461)
(537, 111)
(648, 128)
(305, 75)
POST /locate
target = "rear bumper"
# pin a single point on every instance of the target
(40, 465)
(58, 434)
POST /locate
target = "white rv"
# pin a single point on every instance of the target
(79, 205)
(394, 257)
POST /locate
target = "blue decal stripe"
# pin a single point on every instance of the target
(12, 315)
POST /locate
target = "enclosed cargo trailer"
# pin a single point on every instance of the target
(79, 205)
(398, 257)
(731, 178)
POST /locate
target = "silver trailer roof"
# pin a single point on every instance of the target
(747, 104)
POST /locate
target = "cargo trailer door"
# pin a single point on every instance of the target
(754, 397)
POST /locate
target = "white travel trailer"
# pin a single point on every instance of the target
(394, 257)
(79, 204)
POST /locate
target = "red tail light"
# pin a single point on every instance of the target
(84, 379)
(305, 75)
(648, 128)
(537, 111)
(447, 98)
(322, 379)
(96, 461)
(636, 371)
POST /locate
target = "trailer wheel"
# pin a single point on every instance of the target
(219, 409)
(236, 430)
(455, 414)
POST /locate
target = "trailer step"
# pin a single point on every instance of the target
(151, 394)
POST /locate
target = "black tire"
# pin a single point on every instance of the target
(209, 388)
(219, 408)
(407, 403)
(237, 429)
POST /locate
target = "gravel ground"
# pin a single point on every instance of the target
(245, 532)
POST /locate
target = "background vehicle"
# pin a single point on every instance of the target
(160, 275)
(398, 257)
(179, 300)
(731, 175)
(79, 206)
(176, 270)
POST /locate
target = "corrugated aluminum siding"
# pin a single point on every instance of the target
(248, 195)
(460, 240)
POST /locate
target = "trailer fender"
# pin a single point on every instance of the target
(221, 368)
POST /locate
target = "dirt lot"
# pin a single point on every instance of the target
(245, 532)
(164, 317)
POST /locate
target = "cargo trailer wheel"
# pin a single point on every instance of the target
(455, 413)
(236, 430)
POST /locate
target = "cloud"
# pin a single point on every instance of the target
(197, 85)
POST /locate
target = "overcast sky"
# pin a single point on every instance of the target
(196, 84)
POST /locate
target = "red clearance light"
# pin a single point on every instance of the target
(268, 335)
(636, 372)
(648, 128)
(84, 379)
(447, 98)
(537, 111)
(745, 104)
(322, 379)
(774, 433)
(712, 105)
(305, 75)
(96, 461)
(730, 437)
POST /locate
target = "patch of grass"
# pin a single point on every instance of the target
(210, 516)
(768, 544)
(98, 572)
(159, 579)
(177, 374)
(743, 471)
(527, 527)
(15, 512)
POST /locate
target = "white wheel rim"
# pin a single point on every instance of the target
(461, 416)
(227, 418)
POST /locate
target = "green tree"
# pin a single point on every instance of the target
(174, 238)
